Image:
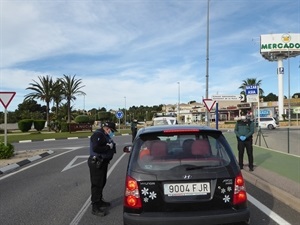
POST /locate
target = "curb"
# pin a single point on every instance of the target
(52, 139)
(55, 139)
(14, 166)
(276, 192)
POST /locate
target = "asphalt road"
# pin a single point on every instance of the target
(56, 190)
(281, 139)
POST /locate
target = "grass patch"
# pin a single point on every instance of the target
(36, 136)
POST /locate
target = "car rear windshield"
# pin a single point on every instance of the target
(163, 151)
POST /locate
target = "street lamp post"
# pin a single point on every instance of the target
(178, 105)
(207, 64)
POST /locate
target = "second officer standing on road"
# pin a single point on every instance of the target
(102, 149)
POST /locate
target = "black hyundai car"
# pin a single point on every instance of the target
(181, 174)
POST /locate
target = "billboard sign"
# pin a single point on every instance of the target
(287, 44)
(296, 110)
(251, 90)
(252, 98)
(228, 97)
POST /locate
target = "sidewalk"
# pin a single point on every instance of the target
(275, 172)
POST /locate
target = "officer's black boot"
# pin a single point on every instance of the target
(97, 211)
(104, 203)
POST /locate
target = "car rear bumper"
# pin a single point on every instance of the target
(190, 218)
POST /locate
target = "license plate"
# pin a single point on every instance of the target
(185, 189)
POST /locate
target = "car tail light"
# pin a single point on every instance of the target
(132, 197)
(240, 195)
(181, 131)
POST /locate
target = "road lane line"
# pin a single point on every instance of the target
(274, 216)
(86, 205)
(35, 164)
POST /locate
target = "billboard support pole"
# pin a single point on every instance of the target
(280, 72)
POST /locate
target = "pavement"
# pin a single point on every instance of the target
(275, 172)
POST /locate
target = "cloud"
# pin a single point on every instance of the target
(140, 49)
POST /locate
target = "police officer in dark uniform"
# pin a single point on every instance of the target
(102, 149)
(134, 128)
(244, 129)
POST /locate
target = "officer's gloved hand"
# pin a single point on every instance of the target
(111, 145)
(242, 138)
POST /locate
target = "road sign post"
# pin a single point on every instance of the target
(119, 115)
(5, 99)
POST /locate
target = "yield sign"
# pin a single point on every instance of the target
(6, 97)
(209, 103)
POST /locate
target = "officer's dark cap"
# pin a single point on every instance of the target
(110, 125)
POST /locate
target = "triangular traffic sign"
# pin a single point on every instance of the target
(6, 97)
(209, 103)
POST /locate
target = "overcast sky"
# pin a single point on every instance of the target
(143, 52)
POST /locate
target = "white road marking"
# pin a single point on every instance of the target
(274, 216)
(71, 165)
(87, 203)
(35, 164)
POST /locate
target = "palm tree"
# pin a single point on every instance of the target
(71, 88)
(248, 82)
(42, 90)
(57, 94)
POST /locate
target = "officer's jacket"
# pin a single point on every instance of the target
(99, 147)
(244, 128)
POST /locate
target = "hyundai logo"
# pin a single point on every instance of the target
(187, 177)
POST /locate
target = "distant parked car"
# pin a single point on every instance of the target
(164, 120)
(267, 122)
(182, 174)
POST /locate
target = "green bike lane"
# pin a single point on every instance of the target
(283, 164)
(276, 171)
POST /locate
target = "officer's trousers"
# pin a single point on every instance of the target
(98, 178)
(249, 148)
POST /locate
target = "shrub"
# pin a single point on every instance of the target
(55, 126)
(6, 151)
(64, 127)
(25, 125)
(82, 119)
(39, 124)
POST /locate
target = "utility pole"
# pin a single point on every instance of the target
(207, 64)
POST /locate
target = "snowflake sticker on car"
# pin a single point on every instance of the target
(148, 195)
(225, 190)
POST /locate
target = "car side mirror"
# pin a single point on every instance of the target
(127, 149)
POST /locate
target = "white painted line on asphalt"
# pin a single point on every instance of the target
(25, 168)
(87, 203)
(274, 216)
(72, 165)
